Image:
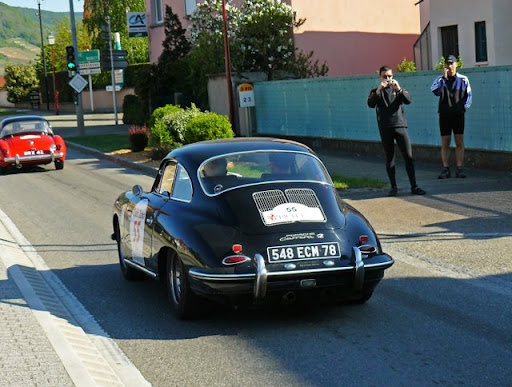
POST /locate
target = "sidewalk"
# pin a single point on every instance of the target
(29, 351)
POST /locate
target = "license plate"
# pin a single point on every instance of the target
(34, 152)
(300, 252)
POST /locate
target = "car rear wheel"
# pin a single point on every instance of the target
(59, 164)
(128, 272)
(184, 302)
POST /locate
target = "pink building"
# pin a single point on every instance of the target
(352, 37)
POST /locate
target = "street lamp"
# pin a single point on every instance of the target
(43, 57)
(51, 43)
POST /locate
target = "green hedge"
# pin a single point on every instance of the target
(171, 126)
(207, 126)
(133, 112)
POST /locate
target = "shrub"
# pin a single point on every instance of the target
(177, 122)
(139, 138)
(207, 126)
(132, 110)
(158, 114)
(160, 136)
(406, 66)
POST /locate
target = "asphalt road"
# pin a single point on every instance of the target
(442, 315)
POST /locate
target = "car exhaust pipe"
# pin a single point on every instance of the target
(289, 298)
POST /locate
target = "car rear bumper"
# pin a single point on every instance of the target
(358, 275)
(46, 158)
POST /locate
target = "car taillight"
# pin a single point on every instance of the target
(58, 147)
(363, 238)
(235, 260)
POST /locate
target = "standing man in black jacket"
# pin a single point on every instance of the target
(388, 99)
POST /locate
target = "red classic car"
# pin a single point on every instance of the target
(29, 140)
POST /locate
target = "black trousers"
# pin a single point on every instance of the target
(400, 135)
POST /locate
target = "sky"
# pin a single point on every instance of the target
(47, 5)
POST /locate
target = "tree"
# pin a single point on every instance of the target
(95, 15)
(20, 80)
(260, 35)
(175, 44)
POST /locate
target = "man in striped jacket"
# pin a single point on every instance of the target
(454, 92)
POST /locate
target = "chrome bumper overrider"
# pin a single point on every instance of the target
(261, 275)
(20, 159)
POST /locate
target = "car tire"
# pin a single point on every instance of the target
(59, 164)
(128, 272)
(183, 301)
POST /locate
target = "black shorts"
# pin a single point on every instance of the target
(451, 122)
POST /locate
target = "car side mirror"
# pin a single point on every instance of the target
(137, 190)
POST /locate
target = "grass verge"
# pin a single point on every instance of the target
(114, 142)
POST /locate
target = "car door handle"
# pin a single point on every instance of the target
(149, 221)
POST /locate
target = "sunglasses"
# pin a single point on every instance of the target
(387, 76)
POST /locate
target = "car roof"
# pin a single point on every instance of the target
(32, 117)
(200, 151)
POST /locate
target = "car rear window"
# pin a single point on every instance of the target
(226, 172)
(25, 127)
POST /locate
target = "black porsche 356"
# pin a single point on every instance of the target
(246, 220)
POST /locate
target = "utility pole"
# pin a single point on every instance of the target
(79, 107)
(43, 56)
(228, 67)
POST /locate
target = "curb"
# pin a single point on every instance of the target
(116, 159)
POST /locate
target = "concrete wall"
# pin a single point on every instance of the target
(3, 99)
(335, 108)
(102, 101)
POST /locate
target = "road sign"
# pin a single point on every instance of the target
(136, 22)
(109, 88)
(119, 59)
(78, 83)
(88, 56)
(94, 70)
(246, 95)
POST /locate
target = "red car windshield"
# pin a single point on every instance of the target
(230, 171)
(19, 128)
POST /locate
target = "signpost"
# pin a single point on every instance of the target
(90, 64)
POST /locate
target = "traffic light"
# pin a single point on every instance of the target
(105, 32)
(70, 57)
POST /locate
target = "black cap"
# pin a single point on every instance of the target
(450, 59)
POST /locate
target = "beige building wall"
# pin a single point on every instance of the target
(464, 13)
(357, 37)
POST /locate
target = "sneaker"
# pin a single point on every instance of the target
(460, 174)
(417, 191)
(445, 173)
(393, 191)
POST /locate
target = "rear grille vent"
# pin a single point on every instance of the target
(267, 200)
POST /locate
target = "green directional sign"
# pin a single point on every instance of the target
(89, 56)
